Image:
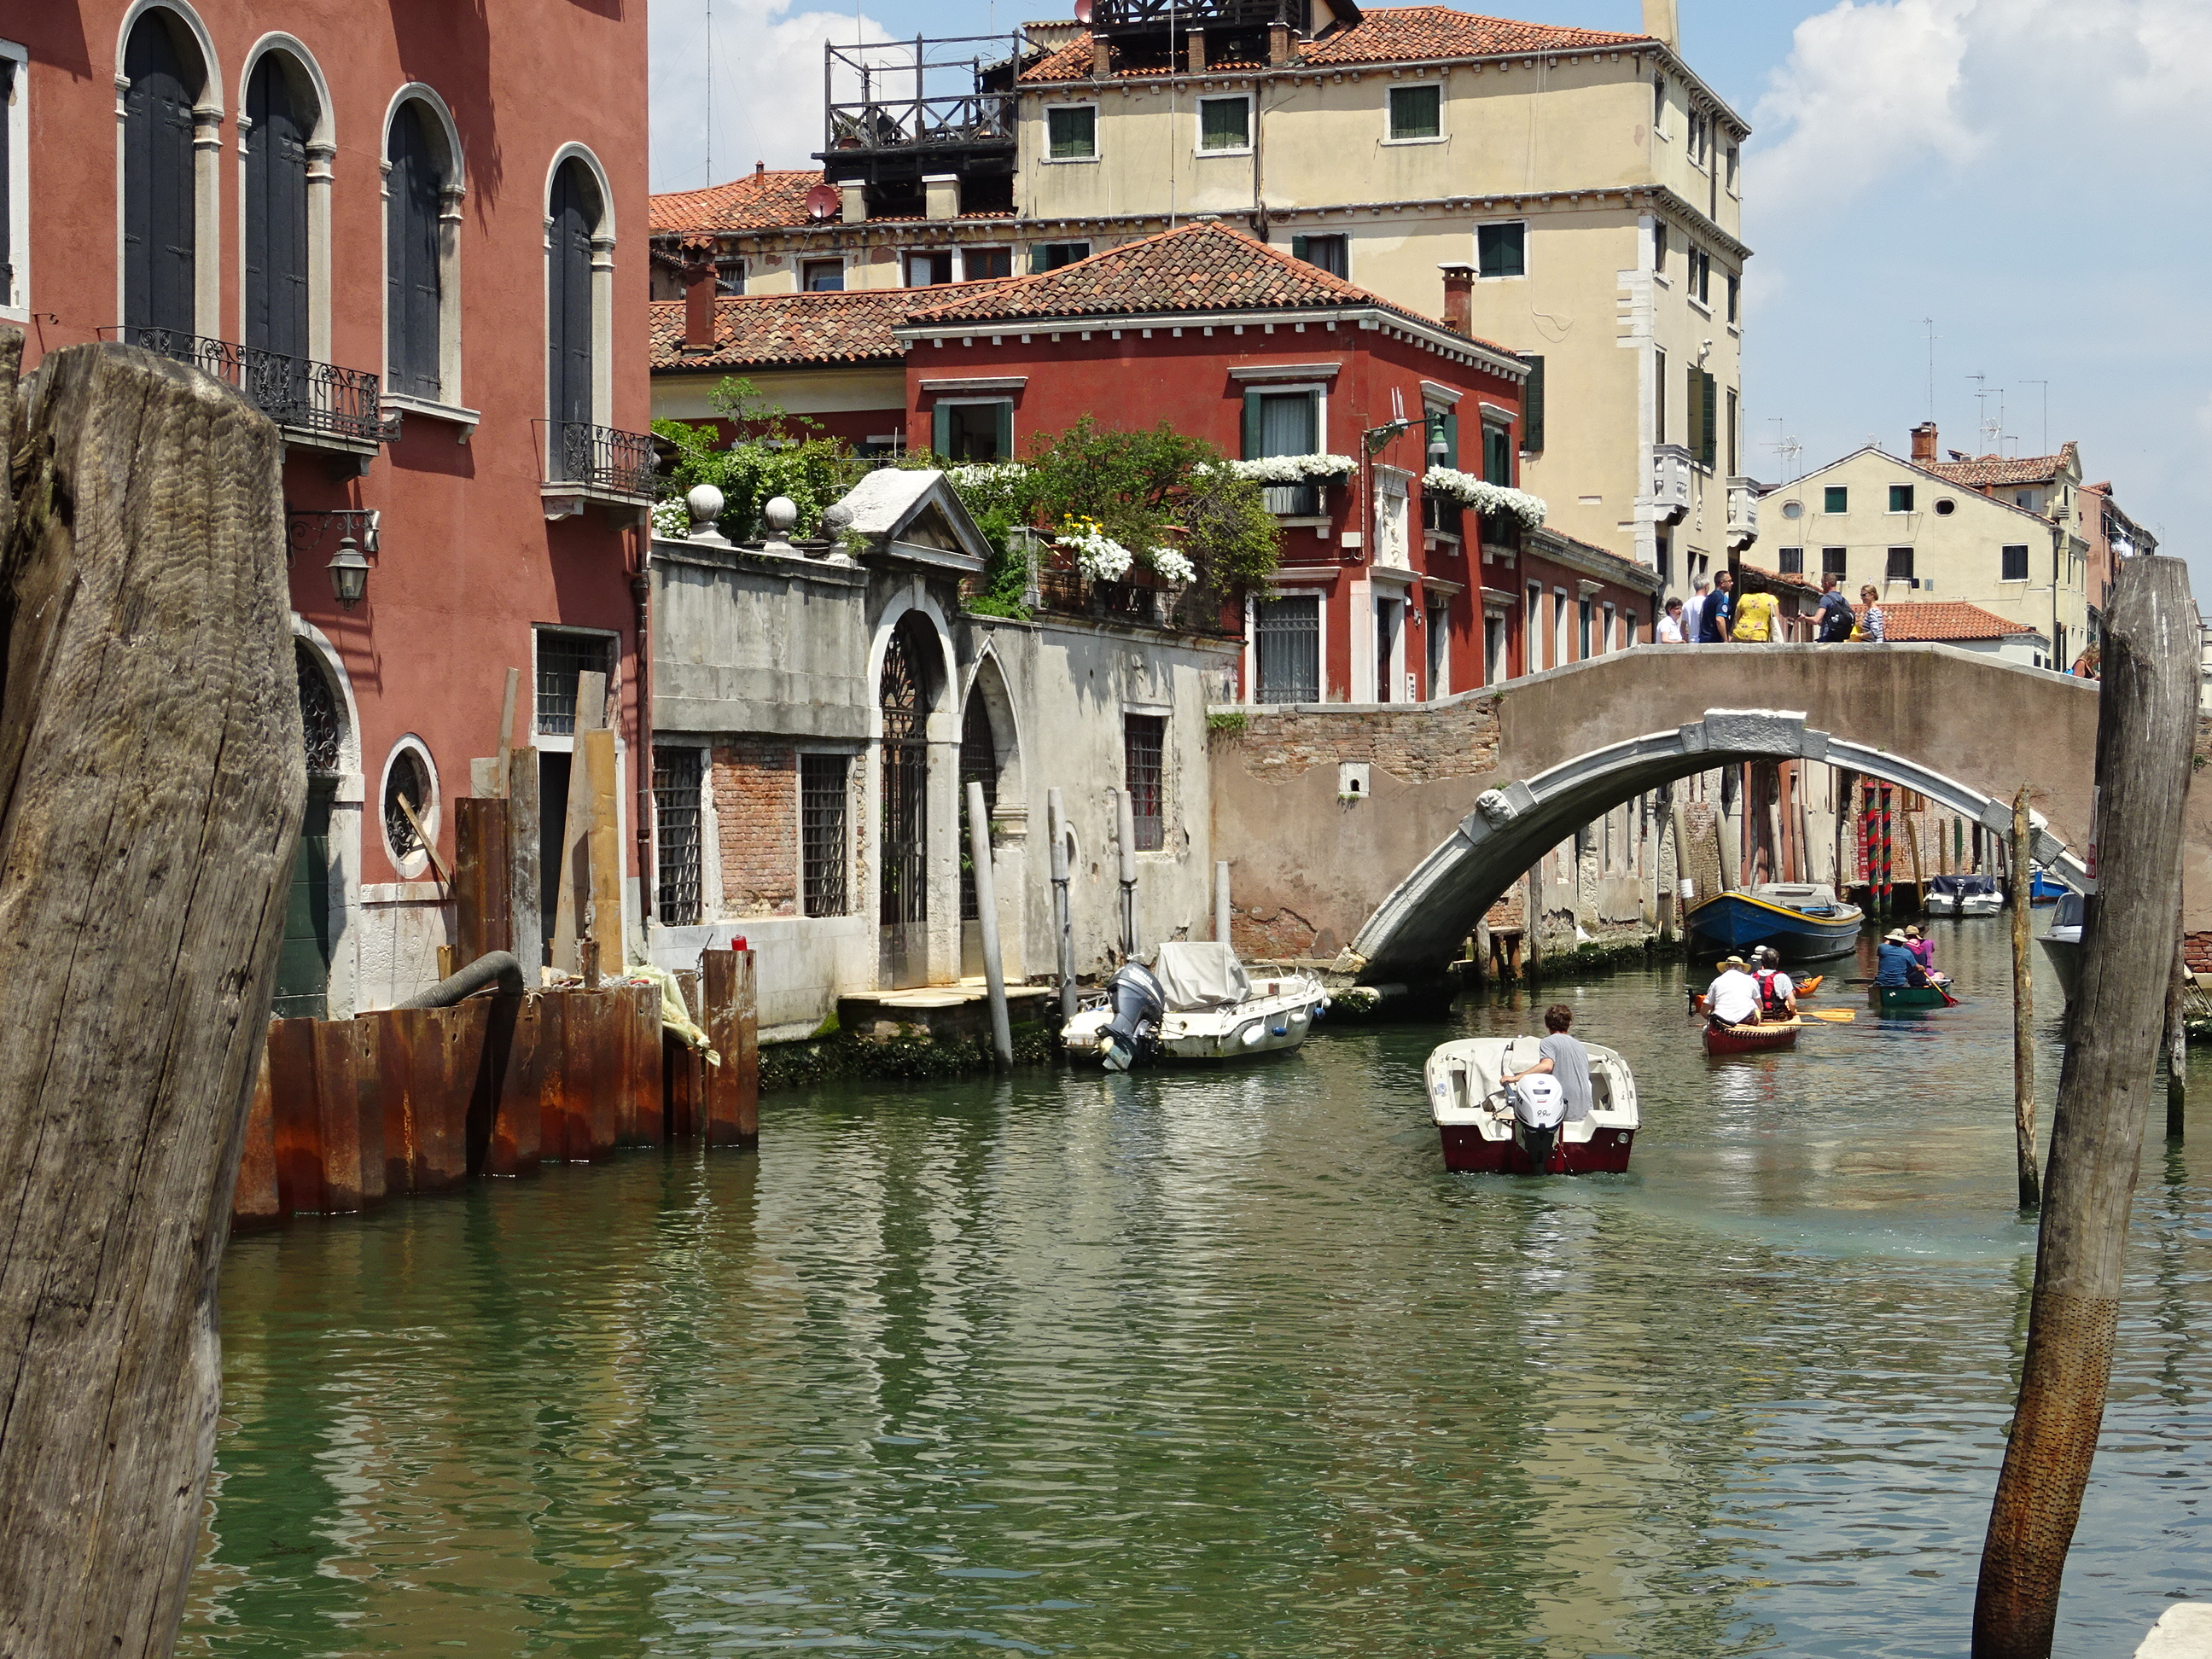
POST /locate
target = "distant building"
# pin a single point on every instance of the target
(1967, 627)
(1588, 179)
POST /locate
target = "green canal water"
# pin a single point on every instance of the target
(1214, 1364)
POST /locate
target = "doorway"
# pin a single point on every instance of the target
(903, 913)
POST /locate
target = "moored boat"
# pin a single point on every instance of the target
(1483, 1134)
(1195, 1002)
(1804, 921)
(1962, 895)
(2062, 943)
(2043, 888)
(1752, 1039)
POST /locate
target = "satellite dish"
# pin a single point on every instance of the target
(1082, 12)
(824, 201)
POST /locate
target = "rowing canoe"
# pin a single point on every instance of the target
(1896, 999)
(1751, 1039)
(1804, 989)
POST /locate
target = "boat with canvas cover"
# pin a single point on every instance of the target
(1194, 1002)
(1490, 1128)
(1962, 895)
(1801, 919)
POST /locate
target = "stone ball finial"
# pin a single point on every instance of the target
(779, 514)
(837, 519)
(704, 504)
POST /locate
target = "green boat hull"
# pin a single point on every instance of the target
(1893, 999)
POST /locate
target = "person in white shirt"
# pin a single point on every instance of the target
(1733, 998)
(1694, 613)
(1670, 625)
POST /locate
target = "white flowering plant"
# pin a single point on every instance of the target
(1483, 496)
(1097, 555)
(1296, 468)
(1171, 566)
(671, 519)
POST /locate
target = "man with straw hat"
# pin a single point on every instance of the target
(1896, 966)
(1733, 998)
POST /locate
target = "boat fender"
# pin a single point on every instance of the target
(1252, 1034)
(1283, 1030)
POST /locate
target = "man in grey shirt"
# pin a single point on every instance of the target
(1565, 1059)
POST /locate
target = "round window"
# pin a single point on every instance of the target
(1793, 509)
(1945, 507)
(408, 813)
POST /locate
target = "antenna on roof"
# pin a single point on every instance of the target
(1786, 450)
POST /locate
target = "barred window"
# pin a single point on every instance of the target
(1286, 642)
(1144, 744)
(677, 773)
(1793, 560)
(822, 833)
(562, 656)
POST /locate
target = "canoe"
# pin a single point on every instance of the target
(1751, 1039)
(1805, 931)
(1893, 999)
(1805, 988)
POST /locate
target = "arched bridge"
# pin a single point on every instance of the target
(1394, 830)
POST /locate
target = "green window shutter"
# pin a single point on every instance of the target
(1251, 426)
(1711, 389)
(1532, 406)
(1451, 438)
(1693, 406)
(1735, 421)
(940, 438)
(1005, 413)
(1298, 248)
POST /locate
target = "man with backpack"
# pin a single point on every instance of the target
(1835, 612)
(1778, 992)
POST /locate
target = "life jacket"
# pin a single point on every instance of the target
(1770, 1000)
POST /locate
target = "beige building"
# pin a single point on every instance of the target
(1589, 179)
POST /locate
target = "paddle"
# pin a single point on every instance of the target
(1832, 1016)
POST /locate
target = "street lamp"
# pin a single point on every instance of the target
(1439, 445)
(348, 572)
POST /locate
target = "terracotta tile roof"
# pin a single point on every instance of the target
(1201, 266)
(761, 328)
(1386, 35)
(755, 201)
(1991, 471)
(1943, 619)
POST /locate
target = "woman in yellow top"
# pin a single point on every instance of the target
(1754, 619)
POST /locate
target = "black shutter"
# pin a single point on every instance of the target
(1532, 406)
(159, 221)
(568, 296)
(7, 206)
(275, 214)
(412, 296)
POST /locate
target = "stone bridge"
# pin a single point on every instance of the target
(1393, 829)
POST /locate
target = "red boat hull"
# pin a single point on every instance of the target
(1749, 1039)
(1465, 1152)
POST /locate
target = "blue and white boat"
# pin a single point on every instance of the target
(1804, 921)
(2044, 889)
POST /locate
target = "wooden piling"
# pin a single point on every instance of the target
(732, 1088)
(2175, 1042)
(1062, 919)
(986, 910)
(2146, 724)
(526, 919)
(151, 786)
(2023, 1013)
(572, 903)
(481, 876)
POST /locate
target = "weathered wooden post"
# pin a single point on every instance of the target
(2023, 1013)
(1221, 901)
(2175, 1040)
(2145, 722)
(1126, 825)
(987, 912)
(1063, 921)
(151, 782)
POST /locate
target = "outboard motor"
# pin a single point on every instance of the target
(1137, 1003)
(1540, 1105)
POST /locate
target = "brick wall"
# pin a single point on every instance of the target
(1457, 741)
(757, 820)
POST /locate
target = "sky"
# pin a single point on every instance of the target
(2029, 174)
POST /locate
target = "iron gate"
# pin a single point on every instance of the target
(903, 915)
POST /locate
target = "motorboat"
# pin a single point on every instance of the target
(2044, 887)
(1488, 1126)
(1962, 895)
(1803, 920)
(1194, 1002)
(1752, 1039)
(2061, 941)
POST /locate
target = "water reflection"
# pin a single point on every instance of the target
(1211, 1364)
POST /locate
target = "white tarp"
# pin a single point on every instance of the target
(1201, 974)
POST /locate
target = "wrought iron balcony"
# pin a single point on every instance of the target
(316, 405)
(583, 463)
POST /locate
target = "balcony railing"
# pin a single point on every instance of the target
(922, 122)
(1670, 478)
(599, 459)
(306, 398)
(1742, 513)
(1141, 598)
(1119, 16)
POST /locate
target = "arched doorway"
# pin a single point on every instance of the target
(979, 763)
(303, 960)
(903, 697)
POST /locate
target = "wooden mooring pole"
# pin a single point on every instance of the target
(987, 913)
(1063, 923)
(149, 821)
(2023, 1011)
(2175, 1040)
(2146, 723)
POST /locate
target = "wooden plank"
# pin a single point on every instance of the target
(597, 764)
(151, 786)
(481, 922)
(518, 1115)
(571, 903)
(525, 919)
(253, 1202)
(429, 846)
(732, 1088)
(507, 725)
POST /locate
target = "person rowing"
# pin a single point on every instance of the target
(1896, 967)
(1732, 998)
(1778, 992)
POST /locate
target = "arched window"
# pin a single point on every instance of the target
(903, 698)
(281, 113)
(414, 267)
(979, 763)
(573, 213)
(161, 228)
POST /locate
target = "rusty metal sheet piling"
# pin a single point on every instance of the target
(647, 1103)
(512, 1148)
(296, 1116)
(732, 1089)
(345, 1091)
(253, 1201)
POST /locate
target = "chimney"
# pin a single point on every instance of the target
(1923, 444)
(699, 297)
(1662, 22)
(760, 172)
(1281, 45)
(1459, 295)
(1101, 59)
(1195, 48)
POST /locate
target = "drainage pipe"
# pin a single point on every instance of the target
(493, 969)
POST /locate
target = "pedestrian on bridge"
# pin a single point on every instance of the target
(1869, 616)
(1719, 616)
(1694, 613)
(1835, 612)
(1670, 625)
(1754, 620)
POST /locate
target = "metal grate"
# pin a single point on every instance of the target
(979, 763)
(562, 656)
(1286, 640)
(1143, 744)
(678, 817)
(601, 458)
(406, 780)
(822, 782)
(904, 898)
(298, 393)
(322, 728)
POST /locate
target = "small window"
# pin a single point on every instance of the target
(1659, 249)
(1663, 558)
(729, 277)
(1224, 123)
(1701, 275)
(2012, 564)
(978, 263)
(981, 430)
(822, 837)
(1417, 112)
(1051, 255)
(1945, 507)
(563, 656)
(1286, 649)
(929, 269)
(1532, 406)
(406, 791)
(1836, 498)
(1498, 454)
(823, 276)
(1072, 133)
(1900, 498)
(1735, 162)
(2030, 498)
(1583, 652)
(1659, 398)
(1832, 561)
(1144, 746)
(1793, 560)
(1659, 106)
(1734, 298)
(1501, 250)
(1331, 253)
(1900, 565)
(1793, 509)
(1699, 128)
(678, 820)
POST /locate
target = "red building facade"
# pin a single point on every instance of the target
(393, 231)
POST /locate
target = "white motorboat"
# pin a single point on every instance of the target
(1487, 1128)
(1962, 895)
(2061, 942)
(1195, 1002)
